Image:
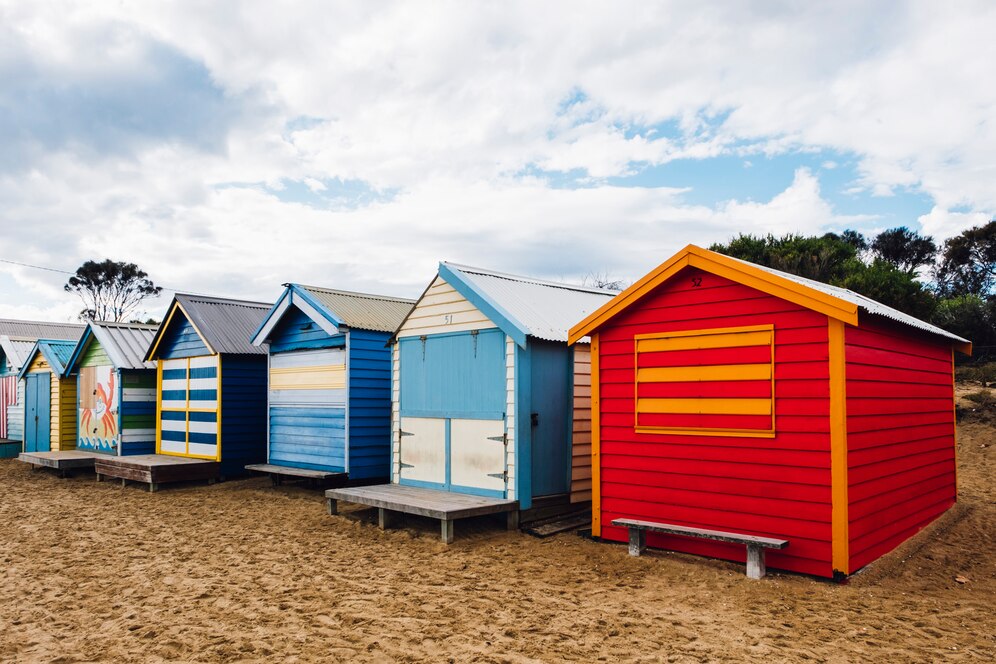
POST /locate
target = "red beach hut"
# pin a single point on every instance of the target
(732, 397)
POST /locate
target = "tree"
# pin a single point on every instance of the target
(968, 263)
(968, 316)
(820, 258)
(110, 290)
(884, 282)
(906, 249)
(604, 281)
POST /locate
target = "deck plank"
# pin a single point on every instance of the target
(62, 460)
(273, 469)
(423, 502)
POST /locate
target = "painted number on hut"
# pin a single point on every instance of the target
(706, 382)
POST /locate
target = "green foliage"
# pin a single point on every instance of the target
(884, 282)
(968, 316)
(110, 290)
(820, 258)
(968, 263)
(905, 249)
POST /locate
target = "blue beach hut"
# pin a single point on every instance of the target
(329, 396)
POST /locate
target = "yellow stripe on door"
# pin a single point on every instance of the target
(700, 341)
(704, 373)
(329, 377)
(705, 406)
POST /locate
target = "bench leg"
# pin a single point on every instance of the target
(100, 478)
(384, 518)
(637, 541)
(446, 530)
(332, 506)
(755, 562)
(124, 482)
(153, 487)
(513, 520)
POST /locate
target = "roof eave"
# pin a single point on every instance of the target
(494, 311)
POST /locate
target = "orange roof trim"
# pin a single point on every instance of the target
(724, 266)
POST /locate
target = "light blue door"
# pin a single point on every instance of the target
(37, 400)
(453, 401)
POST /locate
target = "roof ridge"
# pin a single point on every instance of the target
(222, 300)
(368, 296)
(530, 280)
(40, 322)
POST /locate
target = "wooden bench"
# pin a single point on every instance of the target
(755, 545)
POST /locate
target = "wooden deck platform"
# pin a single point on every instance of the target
(277, 474)
(62, 461)
(443, 505)
(155, 469)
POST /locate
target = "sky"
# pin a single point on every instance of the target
(230, 147)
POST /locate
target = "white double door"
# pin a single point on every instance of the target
(454, 454)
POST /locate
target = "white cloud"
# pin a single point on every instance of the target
(942, 224)
(439, 108)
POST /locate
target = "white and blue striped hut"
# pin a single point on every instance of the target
(329, 397)
(212, 382)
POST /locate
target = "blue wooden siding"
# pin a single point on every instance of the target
(296, 331)
(181, 339)
(137, 415)
(550, 414)
(243, 412)
(460, 375)
(37, 412)
(312, 437)
(369, 386)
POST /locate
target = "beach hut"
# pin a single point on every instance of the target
(116, 388)
(329, 397)
(484, 399)
(211, 394)
(17, 337)
(738, 400)
(49, 400)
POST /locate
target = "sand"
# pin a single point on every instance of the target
(240, 571)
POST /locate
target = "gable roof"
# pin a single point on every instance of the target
(522, 306)
(839, 303)
(225, 326)
(124, 343)
(35, 330)
(16, 350)
(56, 351)
(331, 309)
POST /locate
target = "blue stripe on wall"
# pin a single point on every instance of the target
(174, 374)
(203, 372)
(174, 395)
(174, 415)
(203, 417)
(205, 438)
(179, 436)
(304, 437)
(202, 395)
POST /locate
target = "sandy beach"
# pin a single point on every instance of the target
(240, 571)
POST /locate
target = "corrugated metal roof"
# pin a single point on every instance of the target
(361, 310)
(125, 343)
(228, 325)
(545, 309)
(35, 330)
(16, 350)
(57, 351)
(866, 303)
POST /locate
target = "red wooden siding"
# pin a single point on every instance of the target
(777, 486)
(900, 437)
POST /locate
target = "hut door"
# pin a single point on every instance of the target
(423, 450)
(37, 401)
(477, 455)
(98, 410)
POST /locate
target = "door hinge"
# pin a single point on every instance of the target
(404, 433)
(402, 465)
(501, 476)
(500, 439)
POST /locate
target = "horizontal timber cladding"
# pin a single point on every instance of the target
(189, 406)
(443, 309)
(8, 397)
(581, 426)
(776, 486)
(308, 377)
(307, 392)
(138, 411)
(718, 380)
(900, 436)
(181, 339)
(369, 404)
